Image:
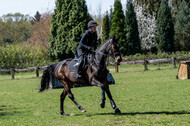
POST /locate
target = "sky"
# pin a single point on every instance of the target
(32, 6)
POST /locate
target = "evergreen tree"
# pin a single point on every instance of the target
(69, 22)
(117, 27)
(110, 16)
(151, 5)
(182, 27)
(37, 17)
(176, 4)
(131, 30)
(165, 28)
(78, 21)
(105, 27)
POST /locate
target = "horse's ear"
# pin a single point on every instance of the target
(113, 38)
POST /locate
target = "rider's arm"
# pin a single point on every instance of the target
(83, 40)
(95, 43)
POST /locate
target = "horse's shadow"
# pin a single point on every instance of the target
(4, 111)
(139, 113)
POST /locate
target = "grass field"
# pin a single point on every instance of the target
(152, 97)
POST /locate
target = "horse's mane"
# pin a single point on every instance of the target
(102, 44)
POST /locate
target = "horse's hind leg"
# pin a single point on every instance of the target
(62, 98)
(71, 96)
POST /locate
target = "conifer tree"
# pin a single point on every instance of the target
(105, 27)
(131, 30)
(117, 27)
(165, 28)
(176, 4)
(151, 5)
(182, 27)
(69, 22)
(110, 16)
(37, 17)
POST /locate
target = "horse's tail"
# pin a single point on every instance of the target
(46, 77)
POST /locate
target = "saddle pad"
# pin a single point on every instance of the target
(72, 66)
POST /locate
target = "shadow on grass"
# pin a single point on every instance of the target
(139, 113)
(4, 112)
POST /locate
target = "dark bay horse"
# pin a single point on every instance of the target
(96, 74)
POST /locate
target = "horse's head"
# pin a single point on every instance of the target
(114, 49)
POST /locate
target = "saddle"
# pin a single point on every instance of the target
(73, 67)
(88, 59)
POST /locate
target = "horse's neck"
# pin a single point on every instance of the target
(101, 55)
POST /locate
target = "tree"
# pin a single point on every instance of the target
(98, 19)
(165, 28)
(69, 22)
(117, 27)
(176, 4)
(15, 28)
(150, 5)
(36, 18)
(147, 28)
(182, 27)
(105, 27)
(41, 31)
(131, 30)
(110, 16)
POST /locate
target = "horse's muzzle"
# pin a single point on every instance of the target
(118, 59)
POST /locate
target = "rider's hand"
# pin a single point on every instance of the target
(89, 48)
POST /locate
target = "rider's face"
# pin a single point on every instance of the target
(93, 28)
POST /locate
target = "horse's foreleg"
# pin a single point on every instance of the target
(112, 101)
(71, 96)
(62, 98)
(95, 82)
(102, 103)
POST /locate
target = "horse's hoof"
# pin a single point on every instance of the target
(83, 110)
(117, 111)
(102, 104)
(64, 114)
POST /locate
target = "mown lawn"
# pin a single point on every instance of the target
(152, 97)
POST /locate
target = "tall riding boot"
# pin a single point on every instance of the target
(79, 72)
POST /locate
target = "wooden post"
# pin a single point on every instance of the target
(116, 66)
(12, 73)
(145, 64)
(174, 62)
(37, 71)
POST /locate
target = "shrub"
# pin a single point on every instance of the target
(160, 55)
(22, 56)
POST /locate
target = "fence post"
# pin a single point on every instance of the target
(174, 62)
(116, 66)
(12, 73)
(145, 64)
(37, 71)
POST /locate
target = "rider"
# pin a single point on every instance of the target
(87, 42)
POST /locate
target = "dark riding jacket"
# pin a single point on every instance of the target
(87, 42)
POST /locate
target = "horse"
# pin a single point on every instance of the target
(95, 74)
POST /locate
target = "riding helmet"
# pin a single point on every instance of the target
(92, 23)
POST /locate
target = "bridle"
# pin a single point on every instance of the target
(113, 54)
(109, 52)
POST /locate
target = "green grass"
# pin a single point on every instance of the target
(152, 97)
